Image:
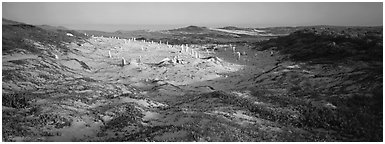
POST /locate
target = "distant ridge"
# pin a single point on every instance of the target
(48, 27)
(232, 28)
(191, 29)
(10, 22)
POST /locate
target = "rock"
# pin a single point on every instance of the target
(329, 105)
(293, 66)
(123, 62)
(106, 118)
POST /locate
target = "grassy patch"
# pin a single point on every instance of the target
(17, 100)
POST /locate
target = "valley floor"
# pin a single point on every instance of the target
(86, 95)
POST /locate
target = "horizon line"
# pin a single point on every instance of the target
(176, 26)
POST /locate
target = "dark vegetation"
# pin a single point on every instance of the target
(358, 119)
(358, 116)
(18, 100)
(330, 43)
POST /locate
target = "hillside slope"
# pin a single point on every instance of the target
(332, 43)
(21, 37)
(344, 66)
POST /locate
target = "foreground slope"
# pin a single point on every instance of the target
(80, 91)
(344, 66)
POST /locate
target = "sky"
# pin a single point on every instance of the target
(123, 15)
